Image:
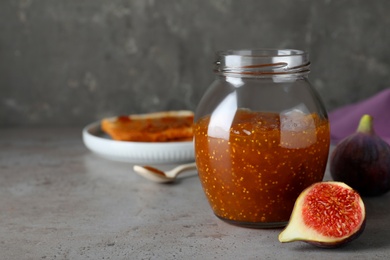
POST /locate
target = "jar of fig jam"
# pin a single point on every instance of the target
(261, 136)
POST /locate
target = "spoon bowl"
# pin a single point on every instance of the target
(160, 176)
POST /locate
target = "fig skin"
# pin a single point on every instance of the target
(298, 230)
(362, 160)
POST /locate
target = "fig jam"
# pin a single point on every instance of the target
(253, 171)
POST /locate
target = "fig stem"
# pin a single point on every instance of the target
(365, 125)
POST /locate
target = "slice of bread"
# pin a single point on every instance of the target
(164, 126)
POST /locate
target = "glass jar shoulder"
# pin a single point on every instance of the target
(277, 94)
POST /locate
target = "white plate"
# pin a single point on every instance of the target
(136, 152)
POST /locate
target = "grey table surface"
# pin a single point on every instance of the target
(60, 201)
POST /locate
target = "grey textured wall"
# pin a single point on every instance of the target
(71, 62)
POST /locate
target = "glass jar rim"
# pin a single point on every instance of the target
(262, 52)
(262, 62)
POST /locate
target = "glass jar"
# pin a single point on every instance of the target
(261, 136)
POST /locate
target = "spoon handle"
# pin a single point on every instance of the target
(181, 168)
(188, 166)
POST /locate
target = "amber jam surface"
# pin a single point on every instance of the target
(253, 170)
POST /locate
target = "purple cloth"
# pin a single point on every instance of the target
(345, 120)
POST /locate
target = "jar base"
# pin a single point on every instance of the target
(255, 225)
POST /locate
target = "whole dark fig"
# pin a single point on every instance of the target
(362, 160)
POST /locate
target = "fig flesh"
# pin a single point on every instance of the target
(362, 160)
(326, 214)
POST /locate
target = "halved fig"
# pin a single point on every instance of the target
(326, 214)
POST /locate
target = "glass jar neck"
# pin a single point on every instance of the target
(265, 63)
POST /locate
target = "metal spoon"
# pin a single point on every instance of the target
(160, 176)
